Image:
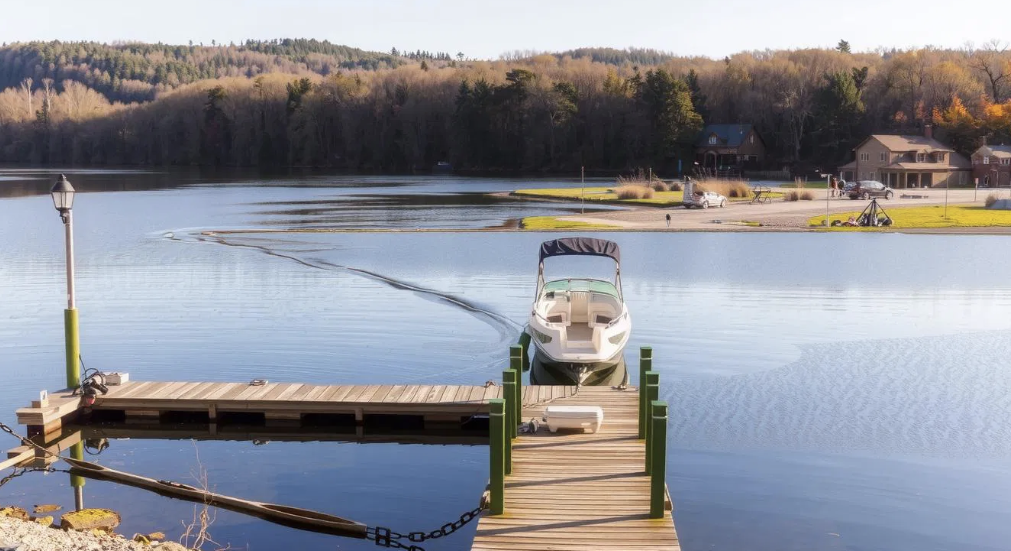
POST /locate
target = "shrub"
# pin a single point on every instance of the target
(990, 200)
(675, 186)
(791, 196)
(799, 183)
(634, 192)
(729, 188)
(806, 196)
(659, 185)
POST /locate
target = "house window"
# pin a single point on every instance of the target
(940, 157)
(712, 140)
(1005, 161)
(751, 138)
(865, 156)
(883, 155)
(921, 157)
(986, 160)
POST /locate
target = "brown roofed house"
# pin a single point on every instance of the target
(729, 147)
(907, 162)
(991, 166)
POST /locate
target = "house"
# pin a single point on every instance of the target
(907, 162)
(729, 147)
(991, 166)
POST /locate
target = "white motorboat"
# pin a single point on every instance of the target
(579, 326)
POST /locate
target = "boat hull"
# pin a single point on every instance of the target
(545, 371)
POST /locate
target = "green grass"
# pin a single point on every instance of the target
(605, 195)
(959, 216)
(808, 185)
(554, 223)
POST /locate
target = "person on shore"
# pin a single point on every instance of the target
(833, 186)
(668, 219)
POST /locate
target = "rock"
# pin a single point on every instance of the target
(14, 512)
(44, 521)
(87, 519)
(156, 536)
(39, 509)
(10, 546)
(141, 538)
(168, 546)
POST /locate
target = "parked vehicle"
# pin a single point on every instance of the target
(701, 199)
(865, 189)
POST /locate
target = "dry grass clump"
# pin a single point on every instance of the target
(990, 200)
(728, 188)
(675, 186)
(633, 191)
(791, 195)
(659, 185)
(806, 196)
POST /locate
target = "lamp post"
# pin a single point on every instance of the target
(828, 190)
(63, 200)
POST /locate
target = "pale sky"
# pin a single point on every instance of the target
(487, 29)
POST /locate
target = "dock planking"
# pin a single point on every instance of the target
(576, 491)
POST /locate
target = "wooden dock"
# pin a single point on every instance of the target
(576, 491)
(566, 492)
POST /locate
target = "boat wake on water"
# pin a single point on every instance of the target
(507, 329)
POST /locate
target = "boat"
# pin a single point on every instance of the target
(579, 326)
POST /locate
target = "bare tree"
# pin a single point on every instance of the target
(47, 96)
(26, 88)
(993, 63)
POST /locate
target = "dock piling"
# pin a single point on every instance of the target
(652, 380)
(509, 377)
(525, 343)
(498, 446)
(516, 364)
(658, 451)
(645, 364)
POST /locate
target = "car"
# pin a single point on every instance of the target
(705, 199)
(865, 189)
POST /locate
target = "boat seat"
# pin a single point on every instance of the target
(601, 319)
(556, 318)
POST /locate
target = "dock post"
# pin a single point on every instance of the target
(658, 450)
(652, 393)
(645, 364)
(525, 343)
(509, 391)
(516, 364)
(498, 444)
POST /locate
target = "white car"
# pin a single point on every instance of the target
(705, 200)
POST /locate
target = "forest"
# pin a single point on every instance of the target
(295, 102)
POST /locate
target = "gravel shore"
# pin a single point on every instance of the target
(32, 536)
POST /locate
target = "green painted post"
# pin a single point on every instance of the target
(509, 377)
(498, 443)
(652, 393)
(645, 364)
(525, 343)
(73, 344)
(516, 364)
(658, 450)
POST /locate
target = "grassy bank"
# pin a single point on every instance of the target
(602, 195)
(959, 216)
(555, 223)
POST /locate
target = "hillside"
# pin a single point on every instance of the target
(137, 72)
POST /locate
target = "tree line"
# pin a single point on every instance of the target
(546, 112)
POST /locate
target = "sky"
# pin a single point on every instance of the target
(484, 29)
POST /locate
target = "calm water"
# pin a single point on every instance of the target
(827, 391)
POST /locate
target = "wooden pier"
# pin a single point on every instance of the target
(562, 491)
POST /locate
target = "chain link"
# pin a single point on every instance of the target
(384, 537)
(21, 472)
(26, 441)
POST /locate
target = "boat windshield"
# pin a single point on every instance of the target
(594, 285)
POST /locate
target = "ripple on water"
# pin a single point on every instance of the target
(891, 396)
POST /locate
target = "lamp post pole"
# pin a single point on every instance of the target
(63, 199)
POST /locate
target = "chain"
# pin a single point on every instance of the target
(26, 441)
(21, 472)
(384, 537)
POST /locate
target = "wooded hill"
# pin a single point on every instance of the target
(305, 102)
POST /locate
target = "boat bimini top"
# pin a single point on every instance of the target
(582, 246)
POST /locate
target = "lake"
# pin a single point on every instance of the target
(827, 391)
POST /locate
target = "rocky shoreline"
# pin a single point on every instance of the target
(27, 535)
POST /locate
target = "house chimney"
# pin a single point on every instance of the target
(928, 131)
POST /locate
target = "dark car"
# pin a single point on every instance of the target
(865, 189)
